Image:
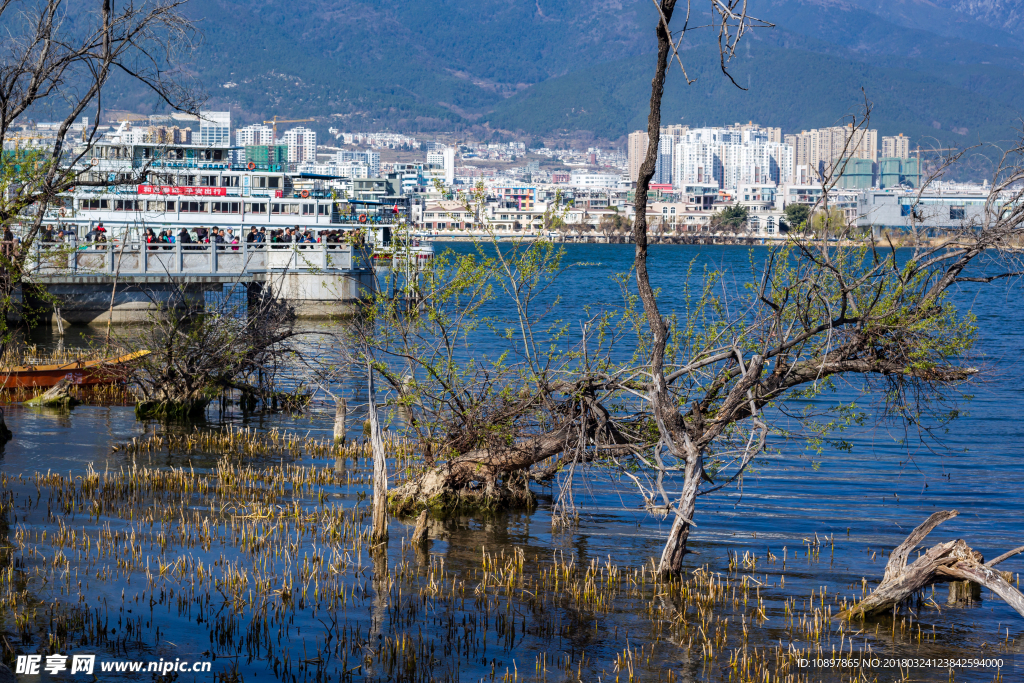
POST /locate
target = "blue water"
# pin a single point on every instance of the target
(865, 501)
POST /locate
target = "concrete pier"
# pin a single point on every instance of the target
(318, 280)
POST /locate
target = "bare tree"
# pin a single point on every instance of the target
(198, 351)
(818, 312)
(681, 402)
(60, 56)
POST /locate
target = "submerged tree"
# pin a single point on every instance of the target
(199, 351)
(679, 394)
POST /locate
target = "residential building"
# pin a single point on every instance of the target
(215, 128)
(369, 158)
(520, 198)
(895, 171)
(635, 152)
(730, 157)
(597, 180)
(301, 144)
(896, 146)
(822, 150)
(256, 134)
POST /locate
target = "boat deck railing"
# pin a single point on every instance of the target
(135, 258)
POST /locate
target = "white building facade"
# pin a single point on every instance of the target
(256, 134)
(214, 128)
(730, 157)
(301, 145)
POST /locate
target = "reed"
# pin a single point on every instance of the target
(266, 555)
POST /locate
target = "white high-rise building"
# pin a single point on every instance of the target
(256, 134)
(301, 145)
(449, 165)
(897, 146)
(730, 157)
(369, 158)
(215, 128)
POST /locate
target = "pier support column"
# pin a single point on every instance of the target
(322, 294)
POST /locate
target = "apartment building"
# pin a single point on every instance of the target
(895, 146)
(820, 152)
(301, 145)
(730, 157)
(256, 134)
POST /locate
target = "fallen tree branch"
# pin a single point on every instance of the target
(943, 563)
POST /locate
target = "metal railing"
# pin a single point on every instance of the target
(135, 258)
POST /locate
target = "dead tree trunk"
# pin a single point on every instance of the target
(379, 532)
(340, 418)
(943, 563)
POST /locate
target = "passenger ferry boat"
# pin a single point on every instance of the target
(175, 186)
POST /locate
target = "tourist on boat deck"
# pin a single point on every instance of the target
(201, 235)
(184, 237)
(253, 236)
(91, 236)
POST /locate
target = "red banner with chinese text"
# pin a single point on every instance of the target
(187, 191)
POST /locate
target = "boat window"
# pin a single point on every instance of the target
(225, 207)
(309, 209)
(259, 181)
(126, 205)
(229, 181)
(275, 182)
(193, 207)
(324, 210)
(284, 208)
(255, 207)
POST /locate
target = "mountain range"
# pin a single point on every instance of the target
(942, 71)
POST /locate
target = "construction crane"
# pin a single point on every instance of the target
(929, 150)
(917, 152)
(277, 121)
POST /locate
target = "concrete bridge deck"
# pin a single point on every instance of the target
(319, 280)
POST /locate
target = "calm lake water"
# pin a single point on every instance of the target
(864, 501)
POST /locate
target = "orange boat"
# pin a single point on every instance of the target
(105, 371)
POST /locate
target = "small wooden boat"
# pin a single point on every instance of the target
(104, 371)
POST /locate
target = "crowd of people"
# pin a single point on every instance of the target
(202, 235)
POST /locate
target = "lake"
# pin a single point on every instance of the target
(829, 521)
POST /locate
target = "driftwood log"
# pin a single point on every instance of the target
(57, 396)
(949, 562)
